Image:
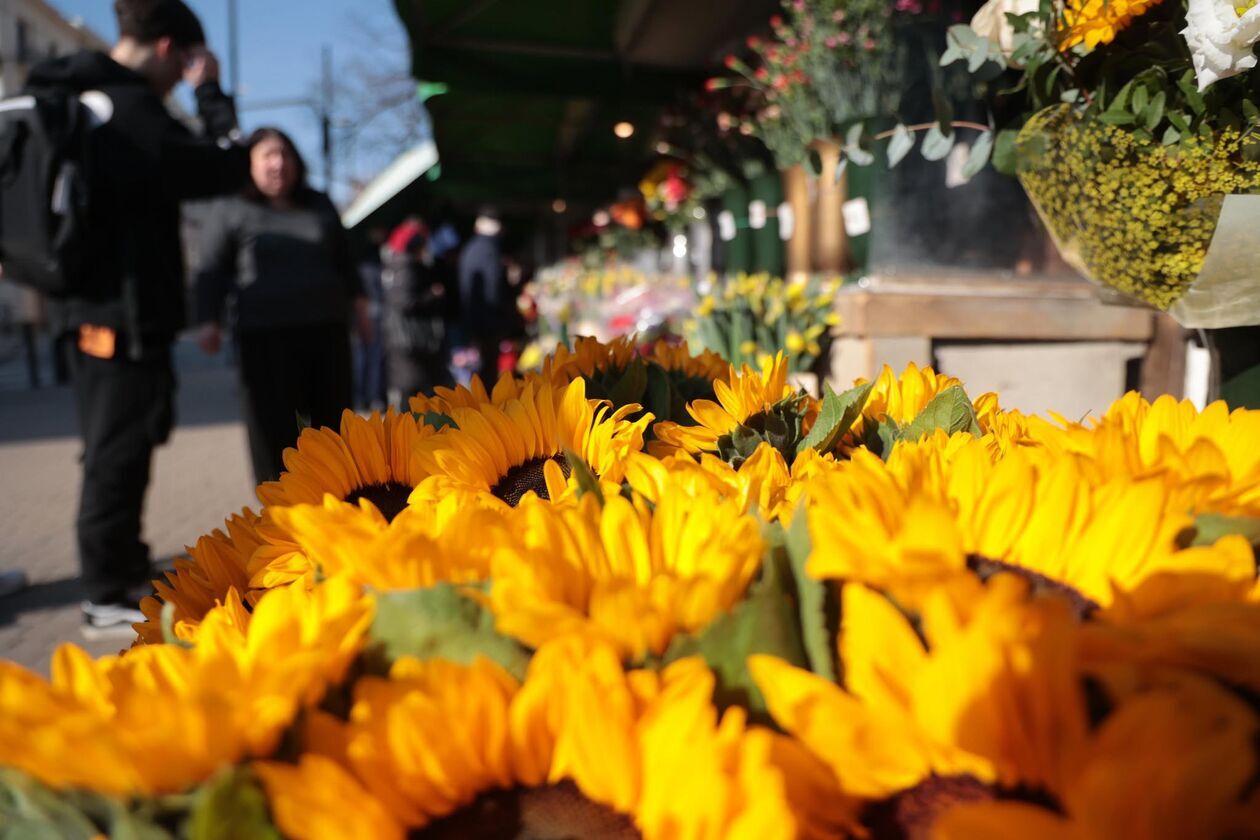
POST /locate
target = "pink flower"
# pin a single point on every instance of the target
(912, 7)
(869, 43)
(799, 5)
(838, 16)
(844, 38)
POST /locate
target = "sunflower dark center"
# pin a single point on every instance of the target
(912, 813)
(1082, 606)
(389, 498)
(526, 477)
(554, 812)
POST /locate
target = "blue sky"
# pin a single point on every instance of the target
(280, 44)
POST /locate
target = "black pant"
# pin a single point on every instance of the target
(289, 372)
(126, 408)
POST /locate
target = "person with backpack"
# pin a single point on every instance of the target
(124, 305)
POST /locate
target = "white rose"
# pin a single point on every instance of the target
(990, 22)
(1220, 39)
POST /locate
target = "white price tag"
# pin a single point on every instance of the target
(787, 221)
(857, 217)
(757, 214)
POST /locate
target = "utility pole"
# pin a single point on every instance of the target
(234, 49)
(327, 92)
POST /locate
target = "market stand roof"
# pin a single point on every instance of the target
(535, 87)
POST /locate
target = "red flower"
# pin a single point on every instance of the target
(730, 61)
(712, 84)
(753, 42)
(762, 74)
(776, 21)
(780, 82)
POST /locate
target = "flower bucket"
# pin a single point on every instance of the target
(1176, 228)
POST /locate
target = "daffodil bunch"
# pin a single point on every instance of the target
(529, 611)
(748, 318)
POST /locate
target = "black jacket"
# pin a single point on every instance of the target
(284, 267)
(143, 163)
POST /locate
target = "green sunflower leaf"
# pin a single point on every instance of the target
(950, 410)
(438, 420)
(659, 397)
(586, 480)
(766, 622)
(29, 810)
(439, 621)
(631, 386)
(1210, 527)
(231, 807)
(817, 608)
(838, 414)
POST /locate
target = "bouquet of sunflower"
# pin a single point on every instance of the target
(530, 612)
(1140, 146)
(746, 319)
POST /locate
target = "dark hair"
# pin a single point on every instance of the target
(148, 20)
(301, 190)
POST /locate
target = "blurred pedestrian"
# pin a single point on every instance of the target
(417, 348)
(145, 162)
(482, 296)
(279, 252)
(369, 359)
(30, 320)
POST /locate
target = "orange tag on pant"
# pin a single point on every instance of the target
(97, 342)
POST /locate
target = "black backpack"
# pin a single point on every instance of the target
(44, 163)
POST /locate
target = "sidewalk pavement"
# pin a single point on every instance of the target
(199, 477)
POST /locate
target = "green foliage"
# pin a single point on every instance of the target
(950, 410)
(767, 621)
(838, 414)
(1210, 527)
(444, 620)
(817, 602)
(779, 426)
(231, 807)
(1142, 82)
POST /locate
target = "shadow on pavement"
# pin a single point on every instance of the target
(206, 396)
(41, 596)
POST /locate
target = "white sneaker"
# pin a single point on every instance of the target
(13, 580)
(110, 621)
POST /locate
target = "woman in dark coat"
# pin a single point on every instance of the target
(279, 255)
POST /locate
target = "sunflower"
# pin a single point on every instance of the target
(369, 458)
(443, 399)
(633, 572)
(215, 566)
(746, 399)
(498, 454)
(1210, 454)
(581, 748)
(761, 483)
(1176, 760)
(986, 702)
(1094, 22)
(949, 502)
(424, 545)
(162, 718)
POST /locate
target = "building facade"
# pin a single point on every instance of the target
(32, 30)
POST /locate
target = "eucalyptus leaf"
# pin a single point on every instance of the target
(859, 156)
(441, 621)
(979, 155)
(1005, 159)
(899, 145)
(979, 55)
(936, 144)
